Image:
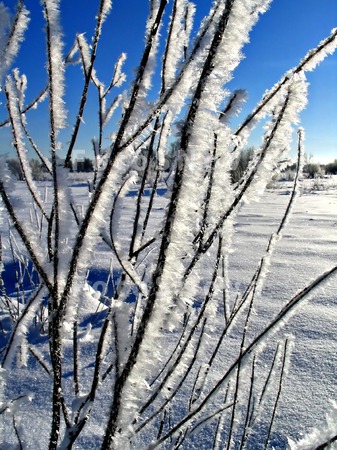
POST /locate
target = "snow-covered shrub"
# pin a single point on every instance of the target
(133, 330)
(312, 170)
(321, 184)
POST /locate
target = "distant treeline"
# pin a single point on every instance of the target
(39, 171)
(310, 169)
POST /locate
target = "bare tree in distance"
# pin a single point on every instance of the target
(156, 376)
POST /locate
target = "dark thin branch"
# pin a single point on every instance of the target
(204, 247)
(206, 419)
(326, 444)
(115, 150)
(166, 96)
(43, 160)
(203, 225)
(185, 340)
(176, 389)
(88, 75)
(265, 388)
(14, 110)
(112, 240)
(87, 404)
(249, 407)
(30, 106)
(157, 126)
(75, 358)
(142, 189)
(238, 370)
(170, 90)
(39, 360)
(284, 359)
(55, 322)
(286, 79)
(18, 323)
(24, 237)
(149, 208)
(170, 358)
(219, 426)
(144, 247)
(4, 297)
(17, 433)
(7, 406)
(288, 308)
(168, 43)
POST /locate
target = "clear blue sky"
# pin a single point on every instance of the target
(281, 38)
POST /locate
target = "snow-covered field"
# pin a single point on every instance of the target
(308, 248)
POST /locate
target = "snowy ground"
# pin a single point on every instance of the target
(308, 248)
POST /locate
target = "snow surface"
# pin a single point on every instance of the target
(308, 248)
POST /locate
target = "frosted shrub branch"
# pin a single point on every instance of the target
(16, 123)
(15, 36)
(308, 63)
(88, 67)
(166, 351)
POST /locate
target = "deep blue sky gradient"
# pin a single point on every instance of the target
(280, 39)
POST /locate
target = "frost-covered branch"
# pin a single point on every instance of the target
(10, 48)
(12, 96)
(308, 63)
(88, 65)
(152, 330)
(29, 243)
